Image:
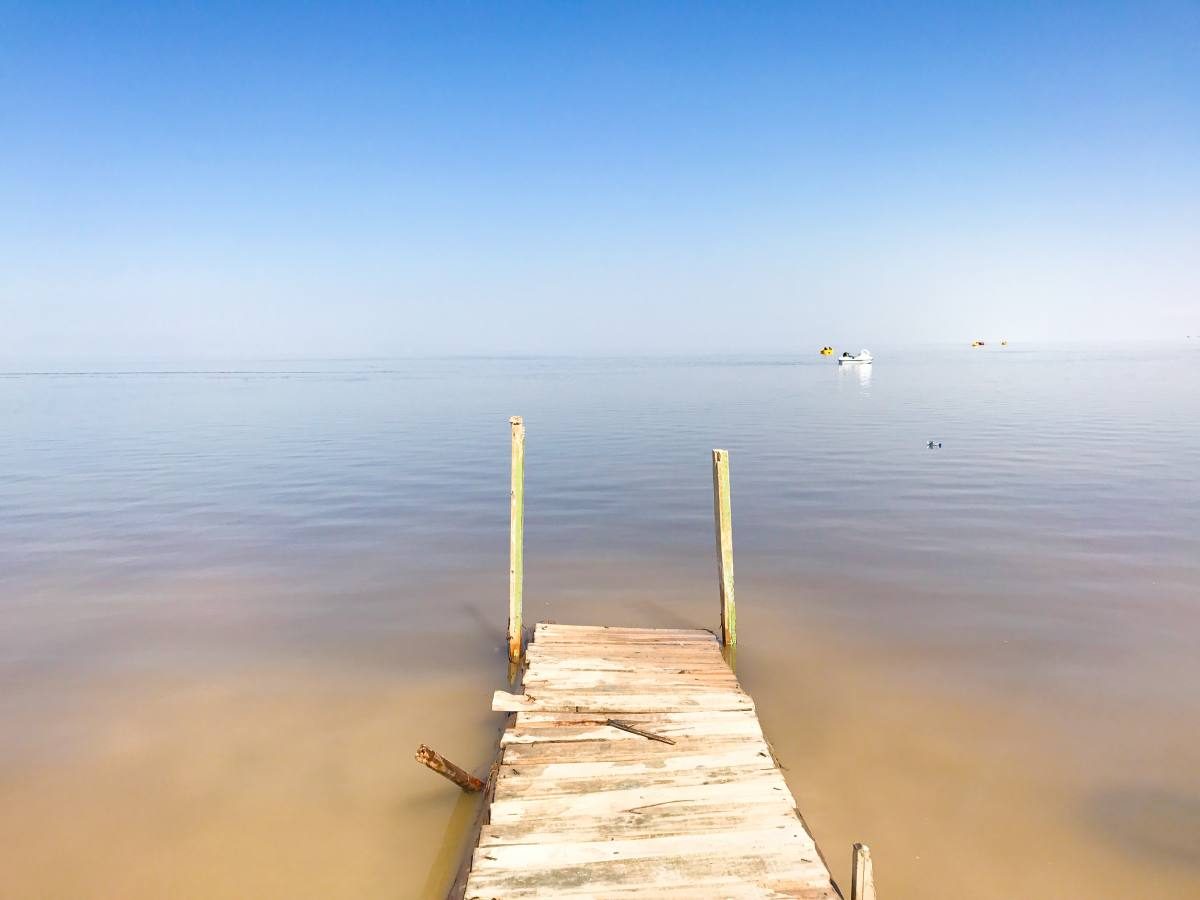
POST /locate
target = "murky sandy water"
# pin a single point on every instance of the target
(235, 602)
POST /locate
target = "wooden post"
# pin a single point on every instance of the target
(862, 877)
(724, 525)
(434, 760)
(516, 538)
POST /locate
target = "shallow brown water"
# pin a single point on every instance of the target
(235, 603)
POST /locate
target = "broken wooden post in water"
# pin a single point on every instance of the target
(723, 518)
(862, 878)
(516, 538)
(434, 760)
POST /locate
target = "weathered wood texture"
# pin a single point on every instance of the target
(723, 521)
(516, 538)
(430, 758)
(585, 809)
(862, 875)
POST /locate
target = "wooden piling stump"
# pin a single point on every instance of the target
(862, 875)
(723, 520)
(516, 538)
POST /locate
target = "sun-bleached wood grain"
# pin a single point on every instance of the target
(516, 538)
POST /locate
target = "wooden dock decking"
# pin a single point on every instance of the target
(689, 803)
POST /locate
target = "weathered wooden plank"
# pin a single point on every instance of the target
(626, 659)
(649, 665)
(738, 755)
(699, 650)
(553, 633)
(545, 683)
(771, 871)
(569, 734)
(629, 655)
(645, 667)
(527, 856)
(547, 752)
(728, 723)
(694, 642)
(564, 651)
(615, 630)
(656, 820)
(547, 689)
(752, 788)
(674, 717)
(610, 702)
(518, 786)
(636, 687)
(657, 673)
(629, 672)
(619, 704)
(713, 887)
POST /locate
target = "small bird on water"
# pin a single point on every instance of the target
(933, 444)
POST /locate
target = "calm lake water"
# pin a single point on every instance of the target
(236, 597)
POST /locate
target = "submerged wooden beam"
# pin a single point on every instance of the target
(862, 876)
(723, 519)
(429, 757)
(516, 538)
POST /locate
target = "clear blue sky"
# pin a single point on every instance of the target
(203, 180)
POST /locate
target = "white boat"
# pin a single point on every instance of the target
(864, 356)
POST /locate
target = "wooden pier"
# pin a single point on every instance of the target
(633, 763)
(586, 806)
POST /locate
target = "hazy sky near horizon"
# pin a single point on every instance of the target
(210, 180)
